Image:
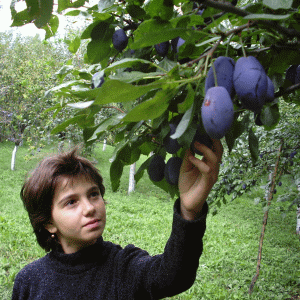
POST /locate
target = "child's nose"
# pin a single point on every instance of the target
(88, 207)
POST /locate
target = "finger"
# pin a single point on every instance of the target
(203, 167)
(218, 149)
(186, 163)
(208, 155)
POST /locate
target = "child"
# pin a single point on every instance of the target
(64, 200)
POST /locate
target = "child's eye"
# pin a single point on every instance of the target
(95, 194)
(70, 202)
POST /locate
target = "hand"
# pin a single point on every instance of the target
(197, 178)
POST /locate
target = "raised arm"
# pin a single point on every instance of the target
(197, 177)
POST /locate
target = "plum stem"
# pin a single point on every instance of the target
(215, 74)
(243, 48)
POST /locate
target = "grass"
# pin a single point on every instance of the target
(144, 218)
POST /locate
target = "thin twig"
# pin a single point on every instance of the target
(270, 196)
(228, 7)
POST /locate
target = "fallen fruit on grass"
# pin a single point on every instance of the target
(224, 67)
(217, 112)
(250, 83)
(172, 170)
(156, 168)
(280, 183)
(120, 40)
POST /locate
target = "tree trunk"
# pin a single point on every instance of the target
(131, 186)
(298, 215)
(13, 158)
(104, 145)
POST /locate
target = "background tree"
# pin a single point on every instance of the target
(124, 43)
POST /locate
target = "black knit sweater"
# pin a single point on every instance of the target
(107, 271)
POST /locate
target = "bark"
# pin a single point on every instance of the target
(131, 186)
(13, 158)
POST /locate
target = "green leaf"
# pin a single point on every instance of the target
(104, 4)
(127, 62)
(270, 116)
(99, 48)
(95, 29)
(253, 145)
(106, 125)
(140, 172)
(144, 36)
(21, 18)
(133, 76)
(51, 27)
(74, 45)
(150, 109)
(281, 60)
(162, 9)
(183, 124)
(81, 105)
(129, 154)
(277, 4)
(73, 13)
(266, 17)
(135, 11)
(167, 64)
(186, 104)
(64, 4)
(65, 124)
(237, 128)
(45, 13)
(114, 91)
(116, 170)
(63, 71)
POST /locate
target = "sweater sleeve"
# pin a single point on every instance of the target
(170, 273)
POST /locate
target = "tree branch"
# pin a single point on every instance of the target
(270, 196)
(117, 108)
(288, 90)
(228, 7)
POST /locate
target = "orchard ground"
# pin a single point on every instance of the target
(144, 218)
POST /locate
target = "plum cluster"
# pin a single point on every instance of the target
(158, 169)
(247, 79)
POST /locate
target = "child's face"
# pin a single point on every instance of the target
(78, 213)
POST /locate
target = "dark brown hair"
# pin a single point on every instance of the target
(38, 190)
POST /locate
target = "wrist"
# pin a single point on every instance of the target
(190, 214)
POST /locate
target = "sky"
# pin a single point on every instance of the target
(5, 20)
(28, 29)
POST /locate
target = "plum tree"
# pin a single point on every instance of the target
(250, 83)
(217, 112)
(224, 67)
(162, 48)
(97, 80)
(120, 40)
(171, 145)
(156, 168)
(172, 170)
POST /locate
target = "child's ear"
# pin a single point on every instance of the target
(51, 227)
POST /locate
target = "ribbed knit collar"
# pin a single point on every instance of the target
(79, 261)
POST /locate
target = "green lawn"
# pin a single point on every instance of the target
(144, 219)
